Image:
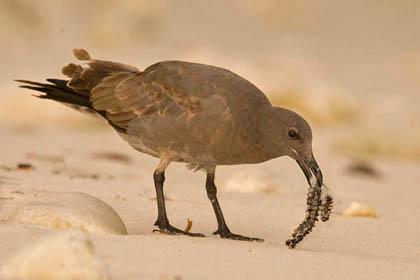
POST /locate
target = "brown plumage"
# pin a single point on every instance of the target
(194, 113)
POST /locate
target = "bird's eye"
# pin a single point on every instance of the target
(293, 133)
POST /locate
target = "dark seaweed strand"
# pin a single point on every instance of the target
(326, 208)
(313, 203)
(313, 210)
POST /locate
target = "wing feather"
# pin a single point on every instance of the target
(172, 100)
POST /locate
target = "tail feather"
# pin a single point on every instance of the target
(76, 92)
(83, 78)
(58, 91)
(59, 83)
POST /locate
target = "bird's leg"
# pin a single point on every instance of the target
(222, 228)
(159, 179)
(162, 221)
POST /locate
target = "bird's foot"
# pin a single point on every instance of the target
(225, 233)
(165, 227)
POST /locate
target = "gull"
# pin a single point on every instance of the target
(193, 113)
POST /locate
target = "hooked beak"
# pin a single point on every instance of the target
(310, 168)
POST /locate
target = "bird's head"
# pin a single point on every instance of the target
(294, 139)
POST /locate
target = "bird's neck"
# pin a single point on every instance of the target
(271, 130)
(261, 139)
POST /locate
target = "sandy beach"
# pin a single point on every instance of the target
(65, 160)
(76, 202)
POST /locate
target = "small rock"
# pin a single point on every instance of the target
(77, 211)
(60, 256)
(249, 182)
(24, 166)
(358, 209)
(363, 168)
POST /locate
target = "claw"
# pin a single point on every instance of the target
(168, 229)
(225, 233)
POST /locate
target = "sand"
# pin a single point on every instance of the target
(98, 163)
(58, 256)
(356, 83)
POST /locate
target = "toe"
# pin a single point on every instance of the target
(229, 235)
(246, 238)
(195, 234)
(168, 229)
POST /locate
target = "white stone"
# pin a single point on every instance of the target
(60, 256)
(249, 182)
(358, 209)
(68, 210)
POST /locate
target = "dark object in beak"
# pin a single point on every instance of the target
(310, 168)
(318, 201)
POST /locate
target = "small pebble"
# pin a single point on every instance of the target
(357, 209)
(24, 166)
